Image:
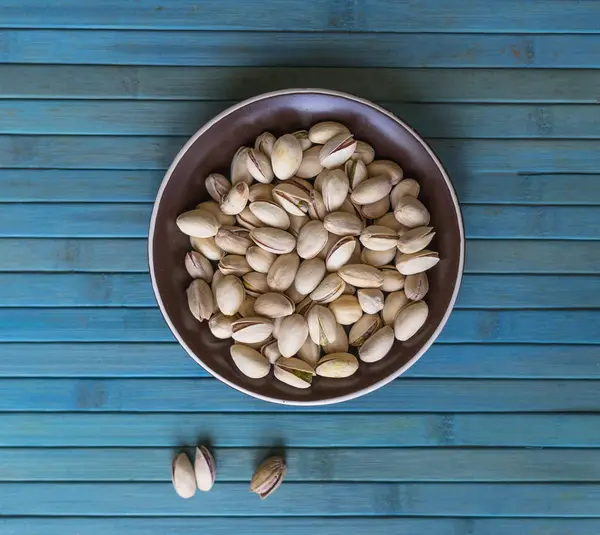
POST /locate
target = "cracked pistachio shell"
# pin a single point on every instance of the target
(249, 361)
(410, 264)
(378, 238)
(260, 192)
(200, 299)
(334, 188)
(340, 253)
(233, 240)
(378, 345)
(274, 240)
(410, 319)
(321, 325)
(310, 274)
(337, 150)
(371, 190)
(388, 168)
(292, 198)
(217, 186)
(294, 372)
(271, 214)
(233, 264)
(316, 207)
(305, 306)
(415, 240)
(309, 352)
(259, 259)
(207, 247)
(363, 329)
(343, 224)
(214, 208)
(410, 212)
(311, 165)
(204, 468)
(416, 286)
(377, 258)
(182, 476)
(268, 477)
(312, 238)
(221, 326)
(389, 220)
(248, 220)
(294, 332)
(255, 283)
(394, 302)
(340, 344)
(270, 351)
(302, 137)
(356, 171)
(337, 365)
(259, 166)
(329, 289)
(239, 168)
(283, 271)
(230, 294)
(247, 308)
(252, 330)
(265, 142)
(236, 199)
(393, 280)
(286, 156)
(322, 132)
(198, 223)
(364, 153)
(405, 188)
(198, 266)
(346, 309)
(375, 209)
(274, 305)
(303, 184)
(361, 275)
(371, 300)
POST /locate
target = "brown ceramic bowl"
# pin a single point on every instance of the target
(211, 150)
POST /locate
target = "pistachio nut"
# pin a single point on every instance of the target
(416, 239)
(271, 214)
(259, 259)
(204, 469)
(252, 330)
(274, 305)
(378, 238)
(270, 351)
(248, 220)
(337, 150)
(293, 334)
(302, 137)
(255, 283)
(410, 212)
(292, 198)
(371, 190)
(410, 264)
(410, 319)
(286, 156)
(233, 264)
(340, 344)
(182, 476)
(260, 192)
(221, 326)
(322, 132)
(274, 240)
(283, 271)
(356, 171)
(198, 266)
(233, 240)
(361, 275)
(363, 329)
(371, 300)
(334, 188)
(200, 299)
(346, 309)
(321, 325)
(340, 253)
(230, 294)
(364, 153)
(207, 247)
(294, 295)
(259, 166)
(268, 477)
(265, 142)
(296, 223)
(214, 208)
(310, 274)
(236, 199)
(337, 365)
(239, 167)
(388, 168)
(311, 239)
(310, 165)
(405, 188)
(305, 306)
(310, 352)
(393, 280)
(249, 361)
(377, 258)
(389, 220)
(343, 224)
(294, 372)
(375, 209)
(316, 207)
(198, 223)
(329, 289)
(416, 286)
(378, 345)
(217, 186)
(394, 302)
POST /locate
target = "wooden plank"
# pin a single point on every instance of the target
(503, 361)
(271, 49)
(473, 187)
(209, 395)
(108, 220)
(147, 324)
(305, 499)
(235, 83)
(309, 465)
(130, 255)
(149, 153)
(323, 15)
(183, 118)
(298, 526)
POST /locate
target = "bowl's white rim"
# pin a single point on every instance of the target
(461, 260)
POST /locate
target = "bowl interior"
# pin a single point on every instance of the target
(213, 150)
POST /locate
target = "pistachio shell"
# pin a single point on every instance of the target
(229, 294)
(270, 351)
(268, 477)
(329, 289)
(294, 372)
(182, 476)
(271, 214)
(316, 207)
(294, 332)
(349, 290)
(296, 223)
(343, 224)
(356, 171)
(363, 329)
(303, 184)
(361, 275)
(371, 190)
(286, 156)
(215, 209)
(388, 220)
(378, 345)
(375, 209)
(414, 240)
(378, 238)
(331, 241)
(302, 137)
(200, 299)
(305, 306)
(350, 208)
(410, 319)
(416, 286)
(248, 220)
(292, 198)
(198, 266)
(340, 253)
(346, 309)
(276, 327)
(283, 272)
(274, 305)
(249, 361)
(411, 212)
(393, 280)
(321, 325)
(309, 352)
(310, 273)
(217, 277)
(247, 308)
(259, 259)
(388, 168)
(233, 240)
(393, 304)
(221, 326)
(233, 264)
(252, 330)
(255, 283)
(322, 132)
(364, 153)
(371, 300)
(204, 469)
(311, 239)
(407, 187)
(207, 247)
(410, 264)
(377, 258)
(340, 344)
(337, 365)
(217, 186)
(274, 240)
(294, 295)
(311, 165)
(236, 199)
(260, 192)
(334, 188)
(265, 143)
(259, 166)
(337, 150)
(198, 223)
(239, 167)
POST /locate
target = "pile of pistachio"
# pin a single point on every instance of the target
(318, 247)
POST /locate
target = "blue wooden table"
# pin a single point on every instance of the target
(496, 431)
